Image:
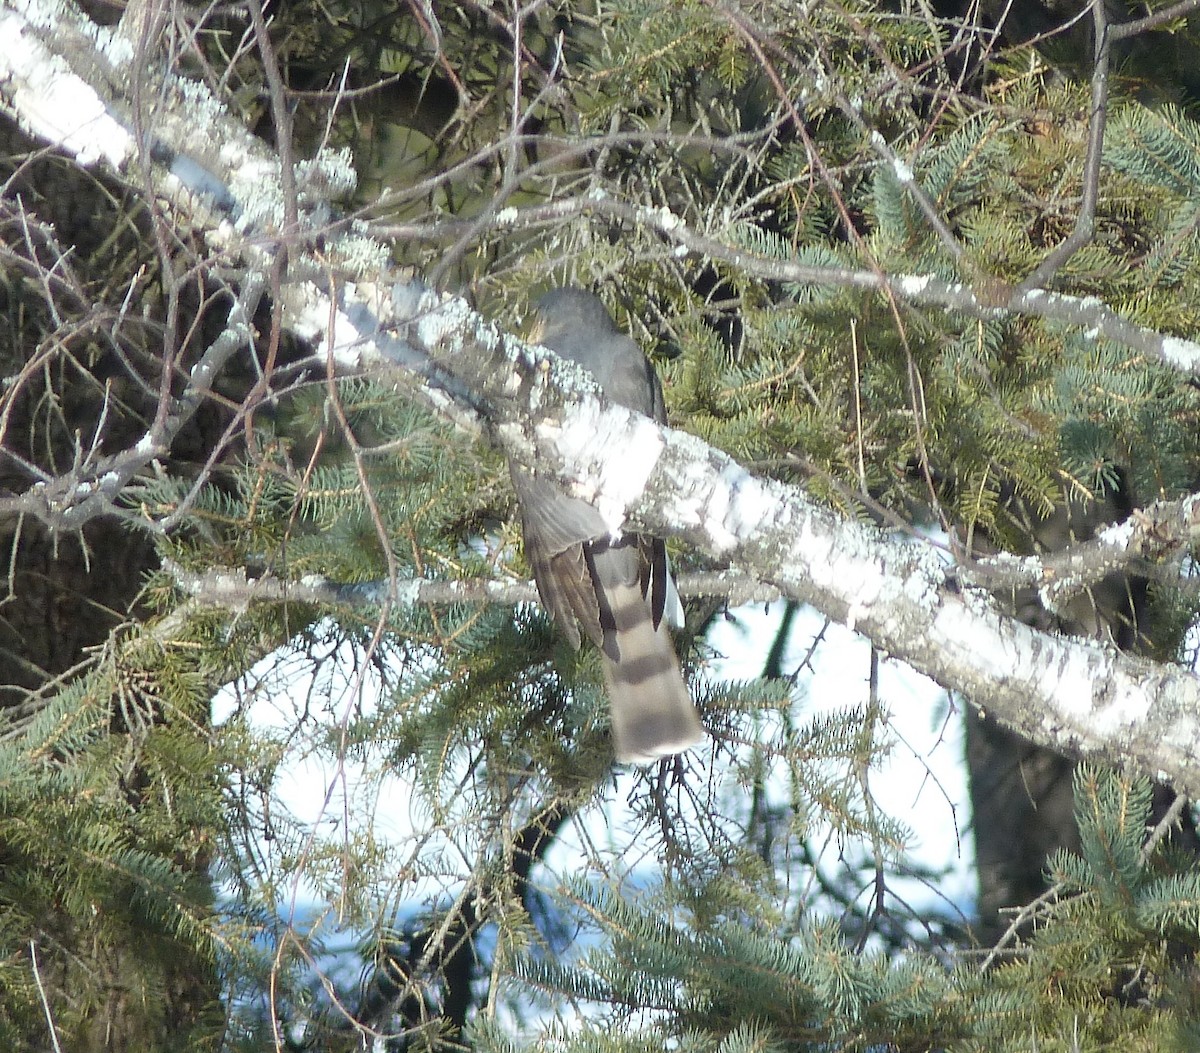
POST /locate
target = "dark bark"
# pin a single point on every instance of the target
(430, 977)
(1022, 799)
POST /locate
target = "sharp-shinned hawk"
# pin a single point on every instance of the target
(616, 589)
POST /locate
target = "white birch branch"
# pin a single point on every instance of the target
(62, 80)
(1076, 696)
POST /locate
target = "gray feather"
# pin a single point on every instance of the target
(615, 590)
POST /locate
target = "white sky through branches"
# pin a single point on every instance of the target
(920, 783)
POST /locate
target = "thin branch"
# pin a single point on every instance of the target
(1085, 221)
(37, 978)
(237, 588)
(1153, 21)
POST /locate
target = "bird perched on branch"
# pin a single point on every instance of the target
(616, 589)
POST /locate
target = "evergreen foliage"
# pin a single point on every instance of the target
(666, 968)
(817, 136)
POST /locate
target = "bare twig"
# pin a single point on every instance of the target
(1085, 220)
(37, 979)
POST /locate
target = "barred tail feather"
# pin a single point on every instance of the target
(653, 715)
